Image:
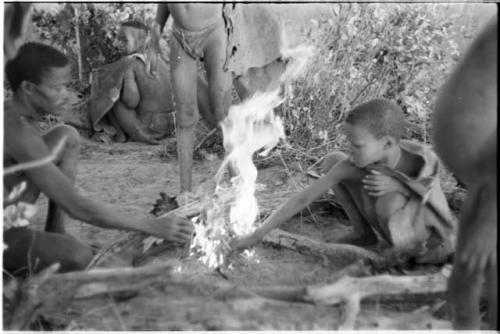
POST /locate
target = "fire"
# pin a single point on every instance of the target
(249, 127)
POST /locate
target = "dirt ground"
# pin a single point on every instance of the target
(129, 177)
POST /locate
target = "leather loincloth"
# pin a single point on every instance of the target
(253, 34)
(193, 42)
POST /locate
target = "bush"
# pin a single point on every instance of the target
(402, 52)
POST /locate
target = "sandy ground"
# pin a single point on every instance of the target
(129, 177)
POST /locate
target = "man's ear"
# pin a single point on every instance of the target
(27, 87)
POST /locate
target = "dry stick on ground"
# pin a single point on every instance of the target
(340, 253)
(48, 290)
(349, 291)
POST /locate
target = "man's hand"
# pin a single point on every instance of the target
(377, 184)
(173, 228)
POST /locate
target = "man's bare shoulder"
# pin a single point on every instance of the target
(21, 140)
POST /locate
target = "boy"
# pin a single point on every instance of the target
(386, 185)
(124, 95)
(38, 76)
(235, 42)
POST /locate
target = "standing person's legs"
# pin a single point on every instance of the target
(219, 81)
(184, 83)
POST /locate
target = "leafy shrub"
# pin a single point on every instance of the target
(402, 52)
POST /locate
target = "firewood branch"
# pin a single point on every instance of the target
(48, 290)
(350, 291)
(339, 253)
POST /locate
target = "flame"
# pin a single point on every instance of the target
(249, 127)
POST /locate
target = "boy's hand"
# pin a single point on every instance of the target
(238, 244)
(378, 184)
(173, 228)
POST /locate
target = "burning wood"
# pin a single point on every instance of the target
(231, 209)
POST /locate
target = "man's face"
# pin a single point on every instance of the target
(130, 40)
(51, 94)
(364, 147)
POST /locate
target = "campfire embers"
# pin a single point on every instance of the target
(229, 208)
(249, 127)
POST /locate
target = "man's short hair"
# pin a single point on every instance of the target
(31, 62)
(136, 25)
(380, 116)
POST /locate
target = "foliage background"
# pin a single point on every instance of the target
(398, 51)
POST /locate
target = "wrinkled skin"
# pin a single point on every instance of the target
(465, 135)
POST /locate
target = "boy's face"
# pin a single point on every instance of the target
(51, 94)
(364, 147)
(130, 40)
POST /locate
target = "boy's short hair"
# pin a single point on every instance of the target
(136, 25)
(380, 116)
(31, 62)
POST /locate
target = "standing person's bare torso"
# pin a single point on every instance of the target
(195, 17)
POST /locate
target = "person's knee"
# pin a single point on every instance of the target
(72, 139)
(386, 205)
(331, 160)
(78, 259)
(186, 114)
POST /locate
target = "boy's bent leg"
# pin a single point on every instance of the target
(349, 195)
(385, 207)
(30, 251)
(67, 161)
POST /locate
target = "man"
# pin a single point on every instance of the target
(38, 76)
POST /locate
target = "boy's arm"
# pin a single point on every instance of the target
(294, 205)
(27, 146)
(130, 92)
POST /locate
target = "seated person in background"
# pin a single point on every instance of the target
(128, 102)
(387, 186)
(38, 76)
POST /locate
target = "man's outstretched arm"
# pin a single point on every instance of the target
(27, 146)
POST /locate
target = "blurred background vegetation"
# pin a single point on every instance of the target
(363, 50)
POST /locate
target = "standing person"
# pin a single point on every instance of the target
(465, 132)
(239, 43)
